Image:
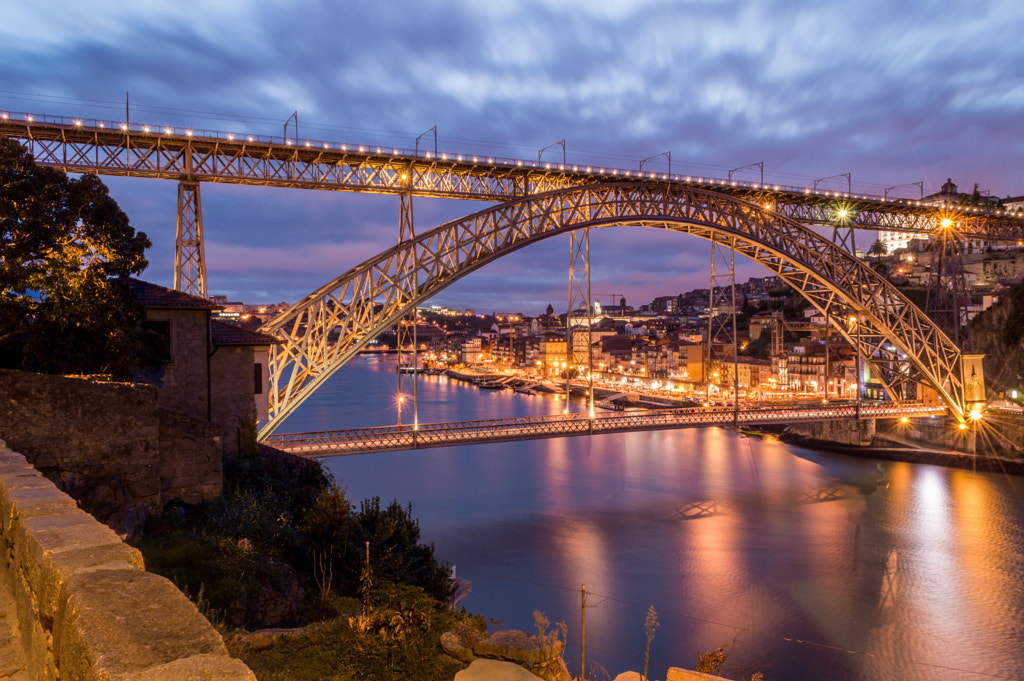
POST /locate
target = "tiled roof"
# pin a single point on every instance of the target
(223, 333)
(155, 297)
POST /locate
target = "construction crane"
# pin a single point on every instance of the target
(616, 297)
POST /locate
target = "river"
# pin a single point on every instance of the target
(812, 566)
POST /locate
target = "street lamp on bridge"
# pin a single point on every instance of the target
(666, 154)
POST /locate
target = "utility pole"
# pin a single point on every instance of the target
(583, 632)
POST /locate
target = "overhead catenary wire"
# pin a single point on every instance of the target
(592, 156)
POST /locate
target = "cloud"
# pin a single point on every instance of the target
(918, 92)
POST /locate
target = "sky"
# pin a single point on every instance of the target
(891, 93)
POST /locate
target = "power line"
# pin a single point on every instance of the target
(748, 630)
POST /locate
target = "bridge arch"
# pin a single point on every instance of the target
(329, 326)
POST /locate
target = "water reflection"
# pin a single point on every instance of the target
(915, 569)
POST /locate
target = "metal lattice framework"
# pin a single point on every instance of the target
(327, 328)
(428, 435)
(721, 364)
(140, 150)
(189, 261)
(579, 360)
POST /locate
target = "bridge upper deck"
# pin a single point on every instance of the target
(141, 150)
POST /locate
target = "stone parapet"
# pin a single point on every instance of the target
(86, 608)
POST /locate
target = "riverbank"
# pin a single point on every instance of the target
(888, 450)
(881, 448)
(605, 398)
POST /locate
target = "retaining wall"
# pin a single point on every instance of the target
(109, 444)
(844, 432)
(86, 608)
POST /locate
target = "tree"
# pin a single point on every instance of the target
(64, 243)
(877, 249)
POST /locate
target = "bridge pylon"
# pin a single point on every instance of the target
(189, 259)
(947, 298)
(577, 325)
(407, 374)
(722, 358)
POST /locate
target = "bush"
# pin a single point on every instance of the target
(395, 552)
(240, 586)
(326, 528)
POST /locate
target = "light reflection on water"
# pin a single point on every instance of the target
(917, 569)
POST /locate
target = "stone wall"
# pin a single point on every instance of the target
(184, 380)
(86, 608)
(108, 444)
(844, 432)
(231, 376)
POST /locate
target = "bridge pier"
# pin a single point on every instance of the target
(844, 432)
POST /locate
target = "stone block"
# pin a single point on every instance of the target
(551, 670)
(24, 502)
(494, 670)
(49, 571)
(9, 456)
(15, 476)
(677, 674)
(452, 644)
(113, 624)
(518, 646)
(199, 668)
(38, 543)
(146, 485)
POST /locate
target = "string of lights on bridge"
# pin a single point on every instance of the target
(511, 163)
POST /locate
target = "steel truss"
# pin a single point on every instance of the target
(947, 298)
(722, 351)
(137, 150)
(373, 296)
(578, 360)
(389, 438)
(189, 259)
(405, 329)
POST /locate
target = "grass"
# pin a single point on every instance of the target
(351, 648)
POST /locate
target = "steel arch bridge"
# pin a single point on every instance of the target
(328, 327)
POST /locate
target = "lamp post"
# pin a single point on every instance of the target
(854, 320)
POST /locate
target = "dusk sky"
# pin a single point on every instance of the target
(891, 93)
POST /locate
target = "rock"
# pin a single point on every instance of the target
(451, 643)
(629, 676)
(552, 670)
(128, 521)
(494, 670)
(265, 638)
(518, 646)
(677, 674)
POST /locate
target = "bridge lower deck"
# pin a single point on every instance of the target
(391, 438)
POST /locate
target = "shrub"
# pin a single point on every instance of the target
(395, 552)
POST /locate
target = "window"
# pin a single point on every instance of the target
(257, 372)
(159, 339)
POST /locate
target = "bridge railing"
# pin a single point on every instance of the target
(381, 438)
(199, 134)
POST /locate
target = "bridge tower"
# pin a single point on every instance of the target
(722, 358)
(405, 328)
(947, 300)
(578, 319)
(189, 260)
